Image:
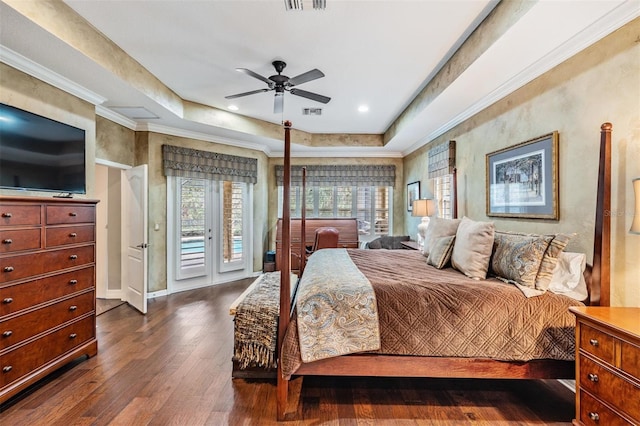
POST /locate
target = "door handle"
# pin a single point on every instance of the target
(143, 245)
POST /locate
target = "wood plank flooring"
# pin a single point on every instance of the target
(173, 367)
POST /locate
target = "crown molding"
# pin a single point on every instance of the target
(36, 70)
(342, 153)
(615, 19)
(120, 119)
(166, 130)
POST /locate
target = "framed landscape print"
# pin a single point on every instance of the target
(522, 180)
(413, 193)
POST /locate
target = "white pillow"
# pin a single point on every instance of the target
(568, 276)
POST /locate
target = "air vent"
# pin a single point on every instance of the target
(311, 111)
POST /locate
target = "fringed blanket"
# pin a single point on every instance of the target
(256, 324)
(336, 307)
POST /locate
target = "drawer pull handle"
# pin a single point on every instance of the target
(73, 257)
(73, 214)
(73, 307)
(7, 369)
(594, 342)
(594, 416)
(7, 300)
(7, 215)
(8, 268)
(73, 282)
(7, 241)
(7, 333)
(73, 336)
(593, 377)
(73, 235)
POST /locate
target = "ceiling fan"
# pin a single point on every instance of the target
(281, 83)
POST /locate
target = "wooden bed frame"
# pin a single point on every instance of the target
(374, 365)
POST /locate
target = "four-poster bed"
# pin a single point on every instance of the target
(377, 364)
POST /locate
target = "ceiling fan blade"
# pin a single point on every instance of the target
(310, 95)
(278, 103)
(239, 95)
(255, 75)
(307, 76)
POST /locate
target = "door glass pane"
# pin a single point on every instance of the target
(325, 201)
(232, 244)
(192, 223)
(364, 210)
(345, 201)
(382, 210)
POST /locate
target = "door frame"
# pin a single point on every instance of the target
(105, 228)
(215, 274)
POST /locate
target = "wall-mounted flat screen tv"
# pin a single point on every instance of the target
(40, 154)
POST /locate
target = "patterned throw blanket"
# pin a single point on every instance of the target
(336, 306)
(256, 324)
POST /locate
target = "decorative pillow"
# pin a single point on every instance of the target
(441, 252)
(550, 259)
(472, 249)
(568, 276)
(517, 258)
(439, 228)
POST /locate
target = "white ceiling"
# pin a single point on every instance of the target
(379, 53)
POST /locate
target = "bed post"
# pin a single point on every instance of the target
(303, 226)
(454, 184)
(600, 274)
(282, 391)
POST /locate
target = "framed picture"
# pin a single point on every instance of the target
(413, 193)
(522, 180)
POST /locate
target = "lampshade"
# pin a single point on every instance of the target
(423, 208)
(635, 225)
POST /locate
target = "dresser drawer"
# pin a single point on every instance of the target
(27, 265)
(594, 413)
(60, 236)
(35, 292)
(23, 360)
(70, 214)
(610, 388)
(630, 359)
(12, 240)
(17, 214)
(30, 324)
(597, 343)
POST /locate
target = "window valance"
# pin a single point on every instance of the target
(188, 162)
(341, 175)
(442, 159)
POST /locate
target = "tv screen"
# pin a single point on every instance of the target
(40, 154)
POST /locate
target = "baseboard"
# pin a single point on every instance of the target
(158, 293)
(114, 294)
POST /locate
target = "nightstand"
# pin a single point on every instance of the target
(607, 365)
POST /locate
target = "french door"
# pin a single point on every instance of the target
(209, 231)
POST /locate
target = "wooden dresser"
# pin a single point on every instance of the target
(347, 237)
(47, 287)
(607, 366)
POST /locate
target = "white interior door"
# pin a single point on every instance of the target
(135, 236)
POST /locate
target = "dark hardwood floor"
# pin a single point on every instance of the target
(173, 367)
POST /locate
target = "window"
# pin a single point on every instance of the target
(191, 200)
(232, 212)
(371, 205)
(444, 195)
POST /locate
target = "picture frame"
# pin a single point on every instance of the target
(413, 193)
(522, 180)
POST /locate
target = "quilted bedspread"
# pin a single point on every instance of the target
(425, 311)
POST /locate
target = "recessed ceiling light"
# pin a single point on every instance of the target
(233, 107)
(363, 108)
